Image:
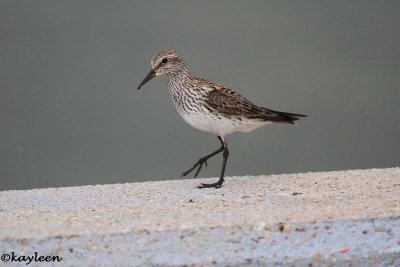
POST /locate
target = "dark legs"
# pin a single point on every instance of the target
(203, 160)
(221, 180)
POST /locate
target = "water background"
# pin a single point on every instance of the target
(70, 113)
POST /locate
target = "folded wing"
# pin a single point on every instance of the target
(231, 103)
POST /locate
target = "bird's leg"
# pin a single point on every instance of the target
(221, 177)
(204, 159)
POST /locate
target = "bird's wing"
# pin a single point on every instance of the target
(231, 103)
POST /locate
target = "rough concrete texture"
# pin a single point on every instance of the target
(344, 218)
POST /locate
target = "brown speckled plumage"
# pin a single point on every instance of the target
(211, 107)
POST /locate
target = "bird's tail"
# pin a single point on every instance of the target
(289, 117)
(281, 117)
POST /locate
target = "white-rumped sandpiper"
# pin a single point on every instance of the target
(211, 107)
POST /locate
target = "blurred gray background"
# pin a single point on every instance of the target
(71, 114)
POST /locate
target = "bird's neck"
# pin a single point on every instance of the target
(178, 78)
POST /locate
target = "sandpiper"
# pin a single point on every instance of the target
(211, 107)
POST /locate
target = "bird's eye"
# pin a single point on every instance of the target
(164, 60)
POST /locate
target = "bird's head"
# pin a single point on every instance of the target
(165, 63)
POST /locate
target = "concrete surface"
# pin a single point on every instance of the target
(327, 218)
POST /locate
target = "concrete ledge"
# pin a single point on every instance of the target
(326, 218)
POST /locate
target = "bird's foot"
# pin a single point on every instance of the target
(199, 163)
(215, 185)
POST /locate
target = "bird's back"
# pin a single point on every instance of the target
(214, 108)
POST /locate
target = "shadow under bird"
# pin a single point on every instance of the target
(211, 107)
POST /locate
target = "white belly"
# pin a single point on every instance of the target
(221, 126)
(201, 118)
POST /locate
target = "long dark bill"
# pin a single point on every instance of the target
(149, 76)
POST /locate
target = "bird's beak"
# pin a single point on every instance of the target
(149, 76)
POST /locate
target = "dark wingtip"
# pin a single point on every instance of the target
(282, 117)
